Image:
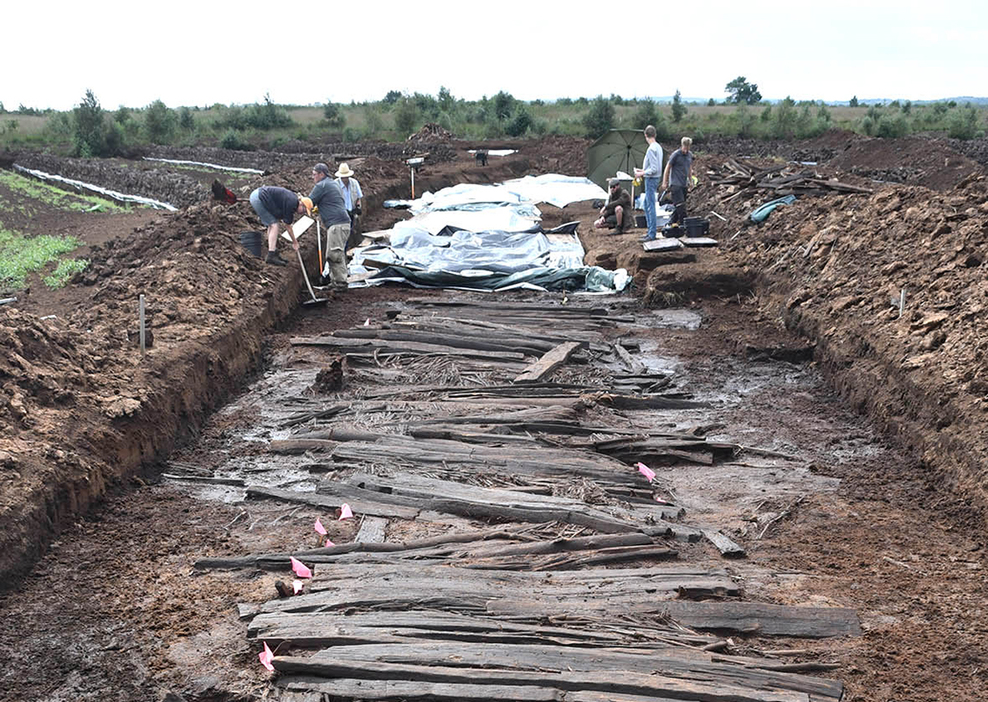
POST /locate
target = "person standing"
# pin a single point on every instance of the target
(351, 198)
(651, 170)
(679, 174)
(327, 196)
(273, 204)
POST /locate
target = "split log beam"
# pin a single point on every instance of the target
(556, 357)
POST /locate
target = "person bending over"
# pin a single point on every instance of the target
(273, 204)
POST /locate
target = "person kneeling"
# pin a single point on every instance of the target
(617, 211)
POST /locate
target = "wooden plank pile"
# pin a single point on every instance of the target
(568, 583)
(777, 181)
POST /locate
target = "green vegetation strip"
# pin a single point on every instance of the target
(20, 255)
(57, 198)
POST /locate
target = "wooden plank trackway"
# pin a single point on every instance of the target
(590, 603)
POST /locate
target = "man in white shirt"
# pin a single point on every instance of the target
(352, 195)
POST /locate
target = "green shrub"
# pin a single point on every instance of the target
(88, 127)
(599, 118)
(678, 108)
(963, 123)
(159, 122)
(233, 141)
(186, 121)
(406, 117)
(520, 123)
(333, 114)
(646, 113)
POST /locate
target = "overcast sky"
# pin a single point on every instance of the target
(200, 53)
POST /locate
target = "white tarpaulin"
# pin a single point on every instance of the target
(558, 190)
(505, 219)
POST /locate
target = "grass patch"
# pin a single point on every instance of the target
(56, 197)
(64, 272)
(20, 255)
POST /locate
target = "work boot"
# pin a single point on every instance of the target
(275, 260)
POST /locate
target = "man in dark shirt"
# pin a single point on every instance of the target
(273, 204)
(328, 197)
(678, 175)
(616, 213)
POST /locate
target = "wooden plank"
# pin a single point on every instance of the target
(765, 619)
(413, 691)
(554, 358)
(612, 681)
(426, 494)
(727, 548)
(359, 507)
(371, 530)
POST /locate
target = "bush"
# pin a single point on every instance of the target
(678, 108)
(646, 114)
(333, 114)
(963, 123)
(406, 117)
(88, 127)
(374, 122)
(159, 122)
(186, 121)
(599, 118)
(233, 141)
(504, 105)
(392, 97)
(785, 121)
(520, 124)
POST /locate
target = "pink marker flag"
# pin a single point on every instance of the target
(329, 543)
(297, 586)
(320, 528)
(266, 656)
(346, 512)
(301, 570)
(646, 471)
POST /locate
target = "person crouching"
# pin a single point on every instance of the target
(273, 204)
(616, 212)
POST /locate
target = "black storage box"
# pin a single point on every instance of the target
(696, 226)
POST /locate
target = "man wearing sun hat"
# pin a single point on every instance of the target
(328, 197)
(351, 196)
(273, 204)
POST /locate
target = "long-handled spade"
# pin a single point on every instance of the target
(315, 300)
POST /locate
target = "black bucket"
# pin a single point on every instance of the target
(253, 242)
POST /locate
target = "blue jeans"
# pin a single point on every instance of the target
(651, 188)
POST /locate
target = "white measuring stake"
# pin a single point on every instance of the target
(140, 314)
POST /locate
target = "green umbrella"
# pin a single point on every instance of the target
(618, 150)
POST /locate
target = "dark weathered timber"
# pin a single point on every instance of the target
(549, 362)
(474, 502)
(385, 347)
(636, 402)
(299, 446)
(634, 365)
(372, 508)
(449, 340)
(323, 629)
(674, 661)
(727, 548)
(571, 561)
(765, 619)
(410, 691)
(612, 681)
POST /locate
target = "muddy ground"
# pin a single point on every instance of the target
(113, 607)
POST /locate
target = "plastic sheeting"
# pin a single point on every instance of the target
(552, 188)
(212, 166)
(112, 194)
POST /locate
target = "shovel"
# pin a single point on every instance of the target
(319, 244)
(315, 300)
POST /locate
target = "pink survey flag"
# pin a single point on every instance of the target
(646, 471)
(266, 657)
(301, 570)
(297, 586)
(320, 528)
(329, 543)
(346, 512)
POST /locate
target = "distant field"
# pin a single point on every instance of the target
(267, 125)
